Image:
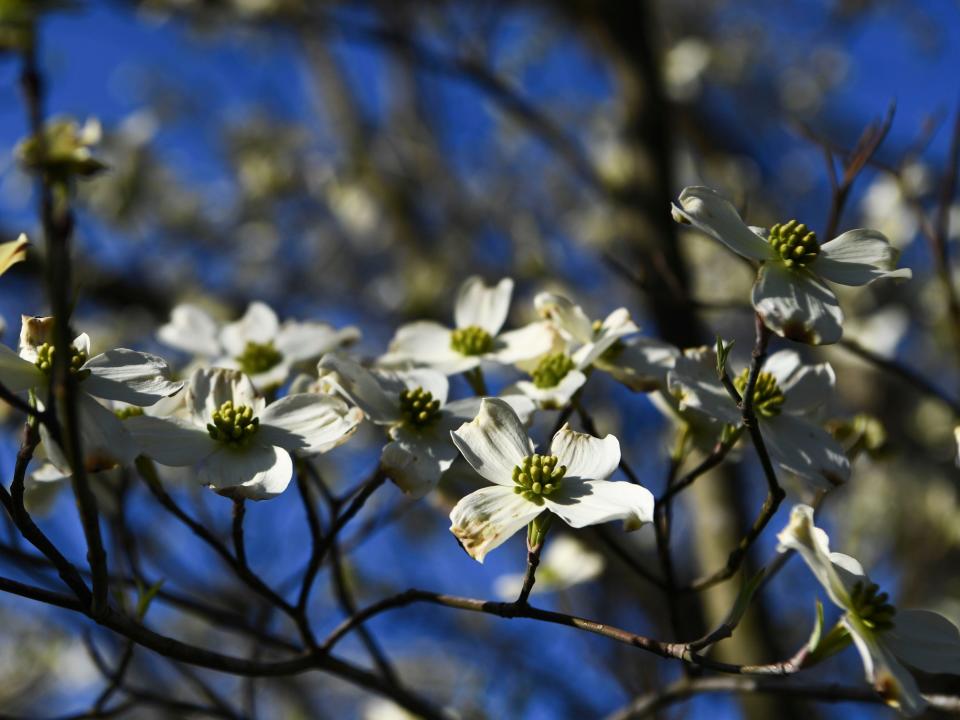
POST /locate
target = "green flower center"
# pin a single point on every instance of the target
(472, 340)
(537, 475)
(234, 426)
(551, 370)
(767, 396)
(871, 606)
(418, 407)
(128, 412)
(258, 357)
(45, 353)
(795, 242)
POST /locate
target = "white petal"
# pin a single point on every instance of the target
(494, 442)
(416, 460)
(482, 305)
(209, 388)
(585, 456)
(616, 326)
(796, 305)
(426, 343)
(128, 376)
(308, 423)
(257, 472)
(192, 330)
(925, 640)
(809, 388)
(813, 545)
(892, 681)
(259, 324)
(590, 502)
(858, 257)
(569, 318)
(170, 441)
(526, 343)
(708, 211)
(486, 518)
(641, 364)
(308, 341)
(694, 382)
(103, 437)
(42, 487)
(566, 562)
(18, 374)
(433, 382)
(377, 394)
(556, 397)
(782, 365)
(805, 449)
(34, 331)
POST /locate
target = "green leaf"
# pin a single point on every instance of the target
(143, 602)
(723, 352)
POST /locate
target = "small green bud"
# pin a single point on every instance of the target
(537, 475)
(257, 358)
(233, 426)
(795, 243)
(551, 370)
(418, 408)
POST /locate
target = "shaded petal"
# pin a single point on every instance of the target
(527, 343)
(128, 376)
(257, 472)
(494, 442)
(616, 325)
(813, 545)
(103, 437)
(377, 394)
(482, 305)
(586, 457)
(416, 460)
(308, 423)
(486, 518)
(590, 502)
(708, 211)
(192, 330)
(568, 317)
(694, 382)
(796, 305)
(170, 441)
(805, 449)
(18, 374)
(209, 388)
(810, 387)
(925, 640)
(858, 257)
(556, 397)
(259, 324)
(892, 681)
(308, 341)
(13, 252)
(641, 364)
(782, 365)
(426, 343)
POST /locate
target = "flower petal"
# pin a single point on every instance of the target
(257, 472)
(486, 518)
(170, 441)
(616, 325)
(892, 681)
(556, 397)
(586, 457)
(640, 363)
(925, 640)
(805, 386)
(858, 257)
(308, 341)
(494, 441)
(13, 252)
(527, 343)
(426, 343)
(18, 374)
(259, 324)
(377, 394)
(708, 211)
(569, 318)
(209, 388)
(128, 376)
(103, 437)
(482, 305)
(416, 460)
(813, 544)
(805, 449)
(192, 330)
(796, 305)
(694, 382)
(590, 502)
(308, 423)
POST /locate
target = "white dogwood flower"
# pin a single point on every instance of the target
(571, 482)
(566, 562)
(241, 444)
(790, 293)
(258, 344)
(885, 637)
(479, 315)
(122, 375)
(412, 405)
(786, 392)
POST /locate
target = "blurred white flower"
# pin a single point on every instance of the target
(566, 562)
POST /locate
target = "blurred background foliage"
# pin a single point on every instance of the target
(355, 161)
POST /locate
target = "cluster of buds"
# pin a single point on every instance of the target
(871, 606)
(472, 340)
(768, 398)
(538, 475)
(551, 370)
(258, 358)
(418, 407)
(45, 354)
(795, 242)
(233, 425)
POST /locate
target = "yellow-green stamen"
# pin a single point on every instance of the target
(45, 354)
(795, 243)
(537, 476)
(472, 340)
(871, 606)
(551, 370)
(768, 398)
(418, 408)
(128, 412)
(234, 426)
(258, 357)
